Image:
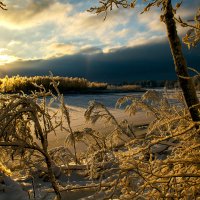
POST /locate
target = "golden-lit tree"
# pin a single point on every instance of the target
(168, 16)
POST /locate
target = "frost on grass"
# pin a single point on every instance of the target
(163, 164)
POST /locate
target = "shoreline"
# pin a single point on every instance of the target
(87, 91)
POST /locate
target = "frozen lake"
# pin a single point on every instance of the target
(107, 99)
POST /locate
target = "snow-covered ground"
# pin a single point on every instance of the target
(77, 104)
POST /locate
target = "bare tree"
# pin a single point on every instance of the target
(192, 38)
(18, 114)
(186, 83)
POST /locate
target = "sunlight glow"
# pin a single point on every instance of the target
(7, 59)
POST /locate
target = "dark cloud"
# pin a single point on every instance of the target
(91, 50)
(37, 6)
(72, 1)
(26, 10)
(149, 62)
(190, 5)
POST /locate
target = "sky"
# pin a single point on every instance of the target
(38, 36)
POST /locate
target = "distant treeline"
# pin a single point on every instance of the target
(169, 84)
(27, 84)
(154, 83)
(124, 88)
(70, 84)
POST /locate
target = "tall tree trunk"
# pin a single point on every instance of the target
(186, 83)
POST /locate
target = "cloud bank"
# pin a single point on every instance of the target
(145, 62)
(60, 36)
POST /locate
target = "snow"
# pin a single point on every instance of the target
(11, 190)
